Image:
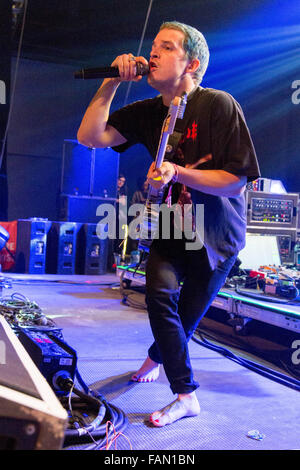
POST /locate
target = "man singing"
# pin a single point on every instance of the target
(214, 160)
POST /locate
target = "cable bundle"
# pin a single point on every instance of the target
(18, 310)
(93, 422)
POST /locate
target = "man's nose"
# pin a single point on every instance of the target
(153, 53)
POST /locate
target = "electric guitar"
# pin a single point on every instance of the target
(150, 221)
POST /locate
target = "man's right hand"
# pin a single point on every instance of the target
(94, 130)
(126, 64)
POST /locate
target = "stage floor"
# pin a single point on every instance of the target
(111, 340)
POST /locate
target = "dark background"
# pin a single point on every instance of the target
(254, 56)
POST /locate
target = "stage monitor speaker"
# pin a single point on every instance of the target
(92, 251)
(89, 171)
(32, 245)
(31, 417)
(61, 248)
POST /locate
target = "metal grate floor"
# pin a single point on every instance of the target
(112, 339)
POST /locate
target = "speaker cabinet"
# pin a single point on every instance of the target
(81, 208)
(89, 171)
(61, 248)
(92, 251)
(32, 245)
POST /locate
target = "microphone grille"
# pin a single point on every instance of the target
(142, 69)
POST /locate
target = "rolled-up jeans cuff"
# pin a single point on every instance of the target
(154, 354)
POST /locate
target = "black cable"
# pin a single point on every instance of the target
(126, 295)
(119, 421)
(97, 429)
(259, 369)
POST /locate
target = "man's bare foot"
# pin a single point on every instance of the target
(148, 372)
(185, 405)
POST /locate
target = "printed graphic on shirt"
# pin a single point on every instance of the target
(191, 133)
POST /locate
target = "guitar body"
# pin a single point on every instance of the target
(149, 230)
(150, 224)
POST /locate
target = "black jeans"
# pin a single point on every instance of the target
(175, 312)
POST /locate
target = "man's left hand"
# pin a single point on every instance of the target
(159, 177)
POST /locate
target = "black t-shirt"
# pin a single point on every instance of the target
(214, 125)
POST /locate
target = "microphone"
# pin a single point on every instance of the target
(108, 72)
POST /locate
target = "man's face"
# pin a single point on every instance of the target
(168, 59)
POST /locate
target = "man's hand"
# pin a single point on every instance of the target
(159, 177)
(126, 64)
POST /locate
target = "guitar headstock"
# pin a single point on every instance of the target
(182, 105)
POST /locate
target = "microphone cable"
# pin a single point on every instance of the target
(139, 48)
(14, 82)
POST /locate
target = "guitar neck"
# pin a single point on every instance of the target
(161, 149)
(176, 109)
(150, 224)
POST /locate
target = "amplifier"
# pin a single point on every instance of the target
(272, 210)
(32, 245)
(274, 214)
(61, 248)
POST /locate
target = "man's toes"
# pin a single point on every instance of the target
(155, 416)
(135, 378)
(156, 420)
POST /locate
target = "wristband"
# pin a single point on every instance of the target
(175, 177)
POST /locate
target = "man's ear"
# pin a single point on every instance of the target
(193, 65)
